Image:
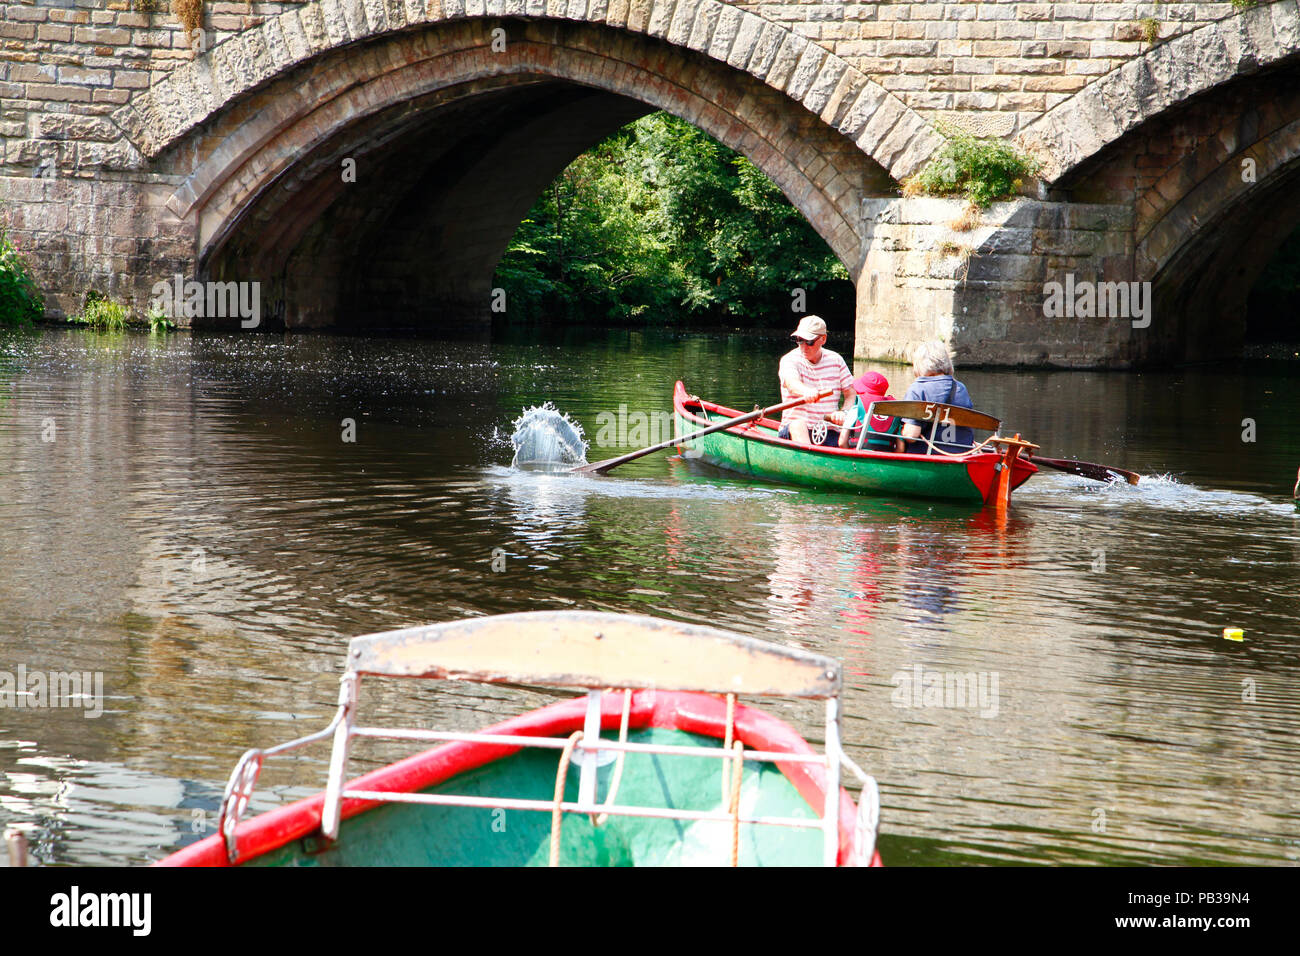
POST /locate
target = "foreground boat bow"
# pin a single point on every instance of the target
(691, 777)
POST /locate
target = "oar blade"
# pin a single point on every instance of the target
(595, 467)
(1088, 469)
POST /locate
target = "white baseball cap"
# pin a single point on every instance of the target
(810, 326)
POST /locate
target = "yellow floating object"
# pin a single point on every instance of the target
(1234, 634)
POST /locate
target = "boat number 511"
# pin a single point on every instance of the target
(930, 412)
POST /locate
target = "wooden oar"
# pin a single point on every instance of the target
(600, 467)
(1087, 469)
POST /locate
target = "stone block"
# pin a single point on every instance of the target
(1055, 84)
(765, 48)
(334, 21)
(617, 14)
(885, 112)
(1026, 65)
(83, 77)
(1024, 101)
(1114, 49)
(909, 48)
(64, 94)
(949, 83)
(1088, 67)
(679, 20)
(724, 33)
(930, 67)
(824, 84)
(903, 83)
(997, 83)
(838, 109)
(661, 13)
(54, 32)
(1015, 30)
(102, 36)
(17, 31)
(803, 72)
(1076, 11)
(67, 126)
(638, 15)
(704, 25)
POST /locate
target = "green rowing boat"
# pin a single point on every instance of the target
(986, 474)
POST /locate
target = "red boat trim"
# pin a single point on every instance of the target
(680, 710)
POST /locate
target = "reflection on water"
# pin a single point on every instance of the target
(206, 530)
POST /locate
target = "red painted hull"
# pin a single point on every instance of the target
(691, 712)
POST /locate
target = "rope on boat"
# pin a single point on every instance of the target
(936, 450)
(600, 818)
(731, 789)
(737, 771)
(726, 744)
(556, 814)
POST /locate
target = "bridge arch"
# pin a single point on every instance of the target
(826, 85)
(457, 126)
(1207, 159)
(1167, 76)
(1206, 229)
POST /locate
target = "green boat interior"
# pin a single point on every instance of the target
(397, 834)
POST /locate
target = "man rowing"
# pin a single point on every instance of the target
(806, 371)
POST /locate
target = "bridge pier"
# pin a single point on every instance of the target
(982, 289)
(982, 286)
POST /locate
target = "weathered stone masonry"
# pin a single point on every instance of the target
(127, 155)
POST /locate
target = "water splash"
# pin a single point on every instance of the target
(545, 439)
(1164, 491)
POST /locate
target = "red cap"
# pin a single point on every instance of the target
(871, 383)
(872, 387)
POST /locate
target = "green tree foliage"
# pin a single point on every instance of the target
(660, 222)
(20, 299)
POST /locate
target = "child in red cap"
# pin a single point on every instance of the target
(871, 387)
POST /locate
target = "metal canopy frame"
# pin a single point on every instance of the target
(598, 652)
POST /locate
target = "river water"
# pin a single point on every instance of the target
(186, 516)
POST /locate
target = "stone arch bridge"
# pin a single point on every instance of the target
(132, 151)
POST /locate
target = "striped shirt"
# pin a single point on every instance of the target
(830, 372)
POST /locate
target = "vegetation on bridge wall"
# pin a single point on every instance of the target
(20, 299)
(981, 169)
(661, 223)
(190, 13)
